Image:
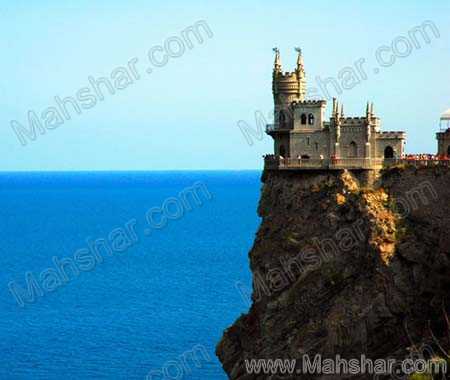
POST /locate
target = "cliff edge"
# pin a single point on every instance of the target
(340, 268)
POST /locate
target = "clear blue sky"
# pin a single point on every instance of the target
(184, 115)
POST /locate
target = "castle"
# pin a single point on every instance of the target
(302, 135)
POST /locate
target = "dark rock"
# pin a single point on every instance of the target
(361, 276)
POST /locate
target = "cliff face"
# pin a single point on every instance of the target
(339, 268)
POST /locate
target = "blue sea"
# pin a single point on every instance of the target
(122, 275)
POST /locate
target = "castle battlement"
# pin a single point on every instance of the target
(288, 75)
(308, 102)
(391, 134)
(354, 120)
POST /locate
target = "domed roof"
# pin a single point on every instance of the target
(446, 115)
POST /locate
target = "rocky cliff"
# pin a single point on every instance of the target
(341, 267)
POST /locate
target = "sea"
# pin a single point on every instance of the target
(122, 275)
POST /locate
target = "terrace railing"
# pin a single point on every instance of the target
(275, 162)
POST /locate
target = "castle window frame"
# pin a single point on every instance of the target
(308, 141)
(303, 119)
(282, 119)
(353, 150)
(316, 146)
(389, 152)
(311, 119)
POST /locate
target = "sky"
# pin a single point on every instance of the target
(185, 114)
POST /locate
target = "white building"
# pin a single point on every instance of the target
(300, 128)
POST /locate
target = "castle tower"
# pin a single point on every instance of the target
(289, 86)
(443, 136)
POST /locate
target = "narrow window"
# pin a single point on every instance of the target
(303, 119)
(311, 119)
(282, 119)
(353, 149)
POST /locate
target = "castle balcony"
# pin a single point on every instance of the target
(272, 162)
(273, 128)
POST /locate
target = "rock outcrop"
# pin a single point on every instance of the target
(342, 268)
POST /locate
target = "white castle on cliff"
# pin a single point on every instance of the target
(301, 132)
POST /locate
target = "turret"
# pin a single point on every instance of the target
(336, 136)
(301, 76)
(288, 87)
(369, 114)
(277, 63)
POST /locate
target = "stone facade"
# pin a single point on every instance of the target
(301, 131)
(443, 137)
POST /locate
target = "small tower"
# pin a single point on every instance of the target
(368, 135)
(443, 136)
(336, 128)
(289, 86)
(301, 76)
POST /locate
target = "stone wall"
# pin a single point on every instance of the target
(443, 139)
(300, 145)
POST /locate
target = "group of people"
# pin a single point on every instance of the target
(408, 157)
(425, 157)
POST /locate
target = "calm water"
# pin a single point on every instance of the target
(143, 306)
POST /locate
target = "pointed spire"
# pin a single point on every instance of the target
(342, 110)
(367, 110)
(277, 63)
(299, 58)
(372, 112)
(337, 109)
(334, 106)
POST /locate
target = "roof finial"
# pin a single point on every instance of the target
(367, 109)
(342, 110)
(299, 57)
(277, 63)
(371, 109)
(334, 106)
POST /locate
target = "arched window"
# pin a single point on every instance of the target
(388, 152)
(316, 146)
(282, 151)
(353, 149)
(448, 151)
(311, 119)
(303, 119)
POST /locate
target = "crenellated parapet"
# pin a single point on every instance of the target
(391, 135)
(314, 103)
(354, 120)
